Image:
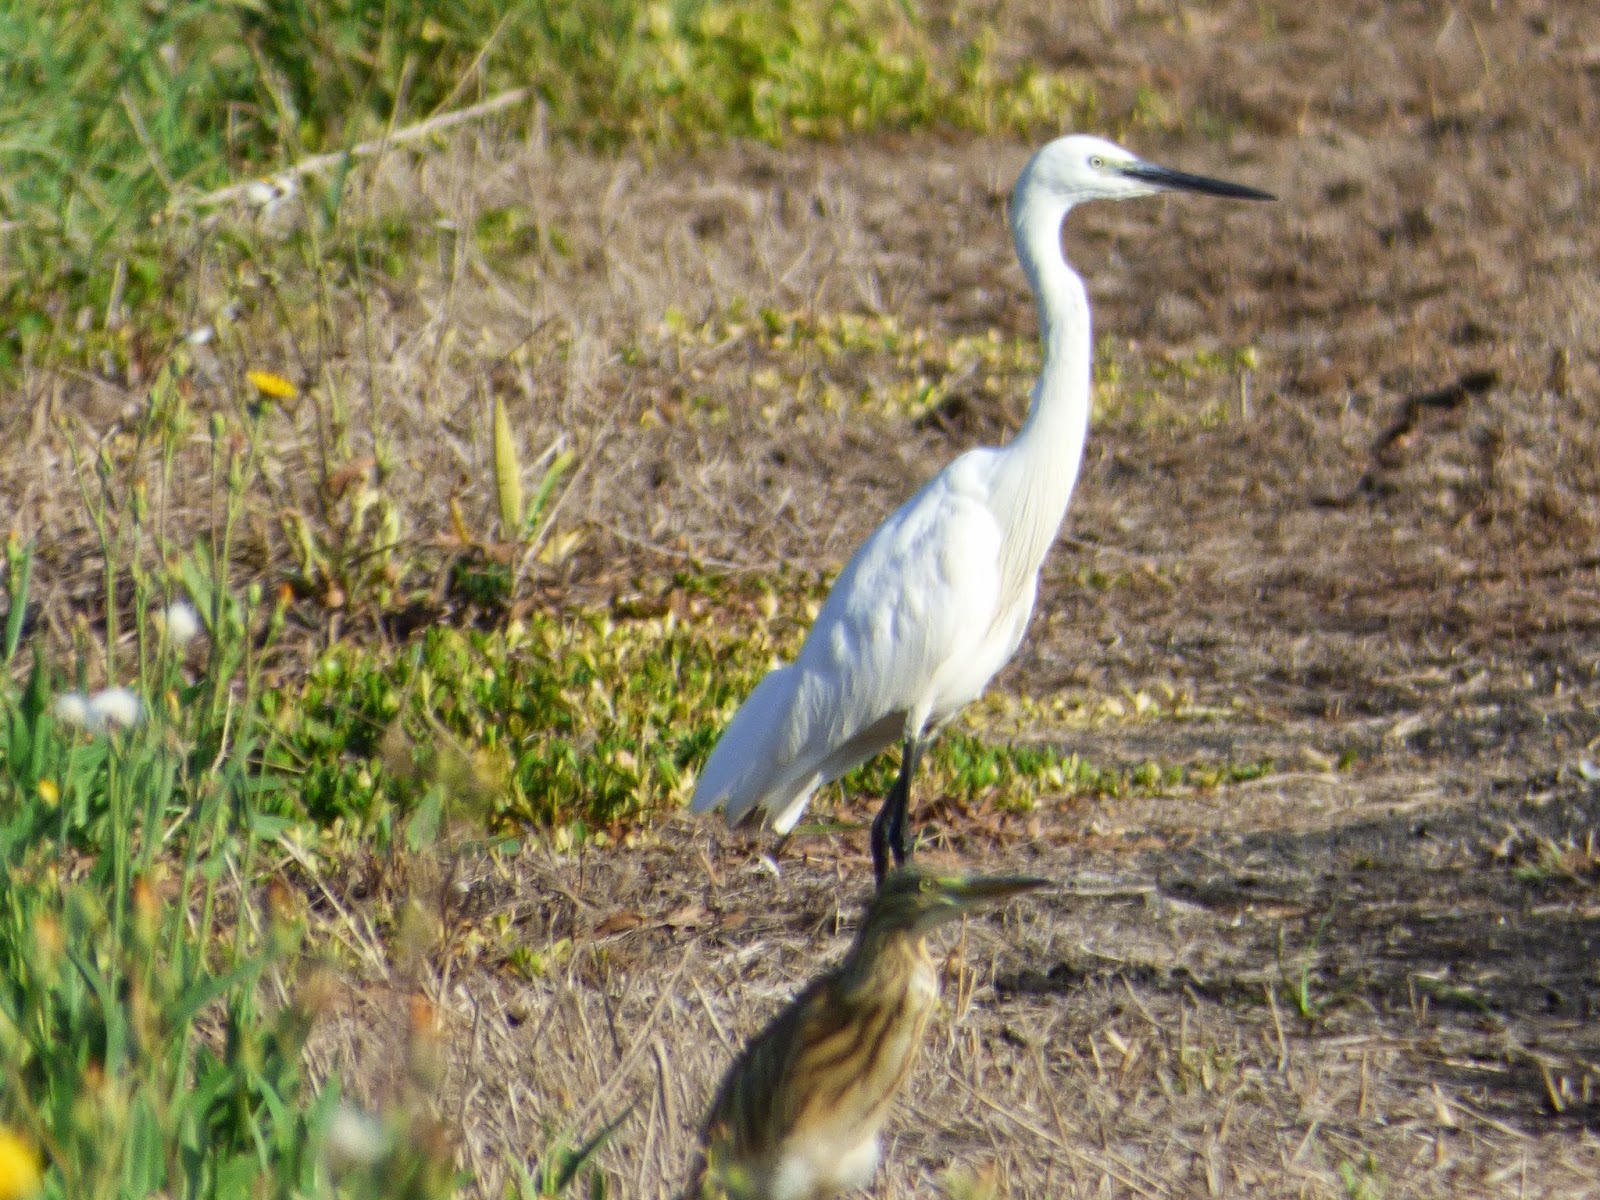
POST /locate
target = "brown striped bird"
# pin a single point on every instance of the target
(799, 1113)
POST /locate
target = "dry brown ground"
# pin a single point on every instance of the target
(1373, 981)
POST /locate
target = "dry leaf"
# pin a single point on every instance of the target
(618, 922)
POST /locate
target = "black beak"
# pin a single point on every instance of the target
(1180, 181)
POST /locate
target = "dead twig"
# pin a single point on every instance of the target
(322, 162)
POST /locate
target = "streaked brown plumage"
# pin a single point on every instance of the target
(799, 1113)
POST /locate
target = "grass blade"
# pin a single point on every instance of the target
(507, 474)
(19, 574)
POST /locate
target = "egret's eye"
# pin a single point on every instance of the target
(1096, 162)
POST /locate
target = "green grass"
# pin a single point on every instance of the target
(139, 1049)
(1363, 1180)
(121, 113)
(157, 985)
(1143, 393)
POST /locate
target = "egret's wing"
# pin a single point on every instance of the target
(755, 751)
(920, 593)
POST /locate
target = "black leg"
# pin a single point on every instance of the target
(899, 840)
(889, 826)
(880, 838)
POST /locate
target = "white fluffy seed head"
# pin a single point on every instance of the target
(181, 621)
(356, 1137)
(72, 708)
(115, 708)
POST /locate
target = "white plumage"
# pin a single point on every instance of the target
(937, 599)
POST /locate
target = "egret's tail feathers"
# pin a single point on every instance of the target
(787, 804)
(753, 765)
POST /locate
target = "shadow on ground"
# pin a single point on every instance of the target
(1473, 935)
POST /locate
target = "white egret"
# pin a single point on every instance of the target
(937, 599)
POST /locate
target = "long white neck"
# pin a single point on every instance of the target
(1050, 443)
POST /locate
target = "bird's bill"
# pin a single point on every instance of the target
(986, 889)
(1182, 181)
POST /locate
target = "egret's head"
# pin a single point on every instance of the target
(1073, 169)
(914, 900)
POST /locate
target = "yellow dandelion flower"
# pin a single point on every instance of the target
(273, 387)
(50, 792)
(19, 1167)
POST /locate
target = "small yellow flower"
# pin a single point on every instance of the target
(49, 792)
(273, 387)
(20, 1174)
